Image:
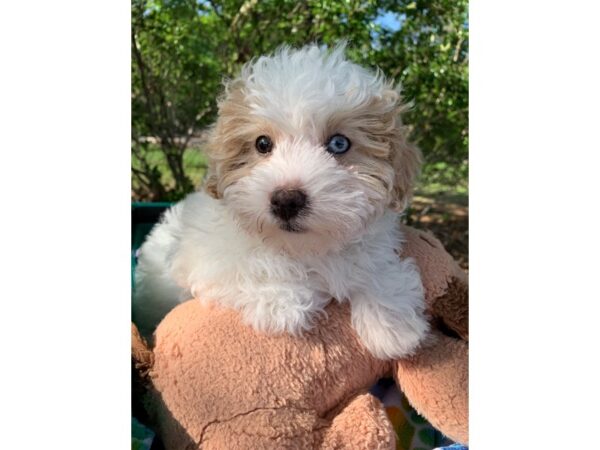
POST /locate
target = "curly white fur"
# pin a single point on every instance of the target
(228, 247)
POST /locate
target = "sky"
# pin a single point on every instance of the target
(391, 21)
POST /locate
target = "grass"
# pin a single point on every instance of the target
(194, 162)
(443, 179)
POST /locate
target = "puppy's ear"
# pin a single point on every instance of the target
(210, 177)
(211, 181)
(405, 157)
(225, 143)
(406, 160)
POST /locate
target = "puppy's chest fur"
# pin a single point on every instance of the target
(218, 261)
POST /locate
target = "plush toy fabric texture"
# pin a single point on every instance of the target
(215, 383)
(277, 392)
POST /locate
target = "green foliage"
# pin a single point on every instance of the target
(181, 49)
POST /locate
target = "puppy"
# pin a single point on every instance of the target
(309, 167)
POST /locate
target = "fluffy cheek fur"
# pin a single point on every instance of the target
(340, 203)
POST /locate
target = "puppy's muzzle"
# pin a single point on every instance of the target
(287, 204)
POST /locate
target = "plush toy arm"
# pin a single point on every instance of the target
(435, 380)
(436, 383)
(445, 283)
(141, 355)
(142, 359)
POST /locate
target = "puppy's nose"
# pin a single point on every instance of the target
(287, 203)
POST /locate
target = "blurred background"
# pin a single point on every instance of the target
(181, 50)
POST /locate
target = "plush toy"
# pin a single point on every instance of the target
(214, 383)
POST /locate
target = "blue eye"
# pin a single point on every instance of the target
(338, 144)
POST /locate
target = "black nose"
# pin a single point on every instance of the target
(287, 203)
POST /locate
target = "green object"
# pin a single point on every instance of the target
(144, 215)
(141, 436)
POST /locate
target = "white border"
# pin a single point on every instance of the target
(64, 260)
(64, 249)
(534, 224)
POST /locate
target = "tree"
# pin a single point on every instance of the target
(182, 48)
(175, 79)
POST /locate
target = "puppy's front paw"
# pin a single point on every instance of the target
(285, 310)
(387, 333)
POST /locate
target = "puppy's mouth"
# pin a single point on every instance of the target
(291, 227)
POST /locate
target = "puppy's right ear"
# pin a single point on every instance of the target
(210, 182)
(210, 177)
(224, 143)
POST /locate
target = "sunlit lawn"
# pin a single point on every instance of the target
(193, 159)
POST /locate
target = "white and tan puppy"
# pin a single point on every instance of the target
(309, 168)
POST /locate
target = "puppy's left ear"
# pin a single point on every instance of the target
(405, 157)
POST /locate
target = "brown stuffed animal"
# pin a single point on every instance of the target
(214, 383)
